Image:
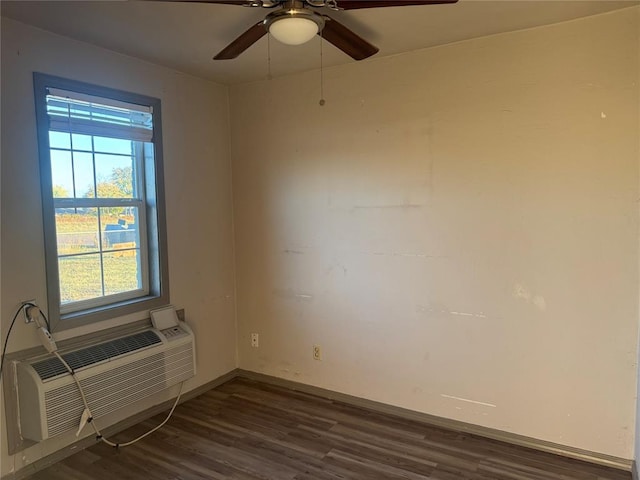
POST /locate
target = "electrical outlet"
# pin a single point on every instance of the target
(317, 352)
(255, 340)
(25, 305)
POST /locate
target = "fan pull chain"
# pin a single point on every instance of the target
(322, 100)
(269, 76)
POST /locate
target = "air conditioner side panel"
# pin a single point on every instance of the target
(191, 339)
(32, 422)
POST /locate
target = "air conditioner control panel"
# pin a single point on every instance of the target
(173, 333)
(166, 321)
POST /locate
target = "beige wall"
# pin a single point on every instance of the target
(457, 228)
(198, 195)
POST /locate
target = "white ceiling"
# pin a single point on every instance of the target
(185, 36)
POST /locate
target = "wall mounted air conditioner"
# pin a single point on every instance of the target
(113, 374)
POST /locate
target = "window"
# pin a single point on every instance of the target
(102, 195)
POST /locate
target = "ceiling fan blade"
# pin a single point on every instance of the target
(243, 42)
(346, 40)
(222, 2)
(353, 4)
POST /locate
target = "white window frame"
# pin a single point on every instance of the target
(150, 203)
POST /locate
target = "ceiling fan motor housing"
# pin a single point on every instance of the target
(294, 26)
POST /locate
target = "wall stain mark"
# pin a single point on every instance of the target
(468, 401)
(444, 311)
(522, 292)
(402, 206)
(289, 294)
(404, 254)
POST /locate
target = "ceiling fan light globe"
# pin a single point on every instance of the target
(293, 30)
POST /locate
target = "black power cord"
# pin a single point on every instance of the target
(23, 307)
(46, 320)
(6, 340)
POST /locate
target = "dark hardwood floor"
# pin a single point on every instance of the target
(247, 430)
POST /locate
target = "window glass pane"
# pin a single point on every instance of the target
(82, 142)
(115, 176)
(83, 174)
(119, 228)
(61, 173)
(80, 278)
(122, 267)
(122, 271)
(59, 140)
(77, 230)
(112, 145)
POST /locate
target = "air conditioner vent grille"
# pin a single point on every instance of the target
(108, 391)
(53, 367)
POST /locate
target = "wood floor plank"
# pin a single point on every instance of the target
(247, 430)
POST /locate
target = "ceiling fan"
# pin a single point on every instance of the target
(295, 22)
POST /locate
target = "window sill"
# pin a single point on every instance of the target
(87, 317)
